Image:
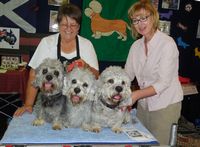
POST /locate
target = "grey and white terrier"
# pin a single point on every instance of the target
(51, 103)
(79, 87)
(111, 98)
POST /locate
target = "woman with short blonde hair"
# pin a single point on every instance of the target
(153, 60)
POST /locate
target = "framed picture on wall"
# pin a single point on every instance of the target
(198, 30)
(10, 61)
(57, 2)
(155, 3)
(170, 4)
(9, 38)
(53, 25)
(165, 26)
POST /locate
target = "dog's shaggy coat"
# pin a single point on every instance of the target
(111, 99)
(50, 104)
(79, 89)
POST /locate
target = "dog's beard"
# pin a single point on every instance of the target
(116, 97)
(76, 99)
(48, 87)
(112, 95)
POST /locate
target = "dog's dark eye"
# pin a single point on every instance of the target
(123, 83)
(111, 81)
(56, 73)
(44, 71)
(74, 81)
(85, 85)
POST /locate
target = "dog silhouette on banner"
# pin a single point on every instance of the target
(105, 27)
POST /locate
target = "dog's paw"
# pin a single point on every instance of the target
(126, 120)
(57, 126)
(38, 122)
(86, 127)
(96, 129)
(66, 125)
(117, 130)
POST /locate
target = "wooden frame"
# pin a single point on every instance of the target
(57, 2)
(170, 4)
(10, 62)
(9, 38)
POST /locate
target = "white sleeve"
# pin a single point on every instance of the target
(39, 54)
(45, 49)
(88, 54)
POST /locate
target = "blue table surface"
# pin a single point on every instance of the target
(21, 131)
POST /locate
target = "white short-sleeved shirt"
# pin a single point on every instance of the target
(47, 48)
(158, 69)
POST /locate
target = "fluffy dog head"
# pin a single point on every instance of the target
(95, 6)
(79, 85)
(49, 76)
(114, 86)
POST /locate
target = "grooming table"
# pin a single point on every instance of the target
(21, 131)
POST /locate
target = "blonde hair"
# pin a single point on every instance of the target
(146, 5)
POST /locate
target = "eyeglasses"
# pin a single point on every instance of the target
(141, 19)
(71, 26)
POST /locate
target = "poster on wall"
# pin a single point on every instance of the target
(170, 4)
(198, 30)
(53, 25)
(155, 3)
(9, 38)
(57, 2)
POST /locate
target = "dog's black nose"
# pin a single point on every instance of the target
(118, 89)
(49, 77)
(77, 90)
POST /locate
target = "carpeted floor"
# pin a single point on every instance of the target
(8, 105)
(188, 134)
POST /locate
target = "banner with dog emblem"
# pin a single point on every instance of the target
(106, 24)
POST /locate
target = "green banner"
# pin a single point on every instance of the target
(106, 24)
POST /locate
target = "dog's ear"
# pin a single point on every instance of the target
(35, 83)
(66, 84)
(97, 95)
(37, 80)
(93, 91)
(99, 82)
(99, 90)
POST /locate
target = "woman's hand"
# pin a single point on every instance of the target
(133, 97)
(23, 109)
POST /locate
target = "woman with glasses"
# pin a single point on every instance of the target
(67, 46)
(153, 60)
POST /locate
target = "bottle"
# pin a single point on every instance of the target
(173, 135)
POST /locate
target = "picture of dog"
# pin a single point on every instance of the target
(105, 27)
(79, 87)
(51, 103)
(111, 98)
